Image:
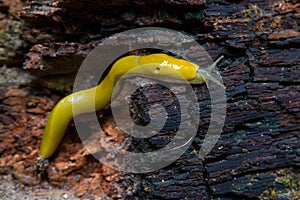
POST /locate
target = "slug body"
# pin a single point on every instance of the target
(157, 65)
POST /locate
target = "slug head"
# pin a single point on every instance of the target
(204, 75)
(162, 65)
(167, 68)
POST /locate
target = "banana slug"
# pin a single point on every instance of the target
(84, 101)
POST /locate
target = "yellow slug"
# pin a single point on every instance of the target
(160, 64)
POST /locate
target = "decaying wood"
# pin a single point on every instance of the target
(12, 47)
(257, 155)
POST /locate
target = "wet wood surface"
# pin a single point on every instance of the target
(257, 155)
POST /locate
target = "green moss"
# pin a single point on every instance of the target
(286, 186)
(11, 44)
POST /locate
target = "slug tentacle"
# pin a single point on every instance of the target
(205, 74)
(156, 65)
(214, 65)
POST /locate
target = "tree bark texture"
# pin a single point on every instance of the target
(258, 153)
